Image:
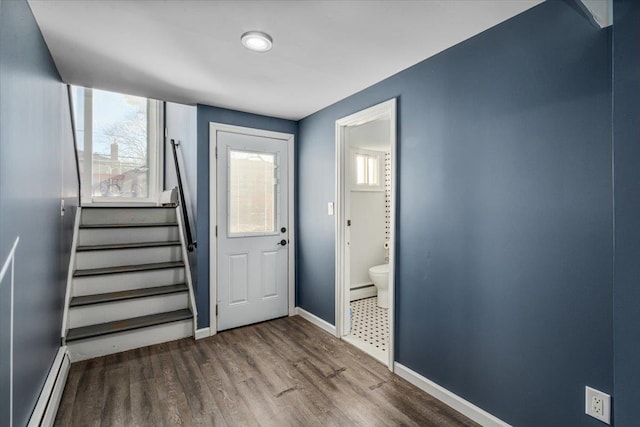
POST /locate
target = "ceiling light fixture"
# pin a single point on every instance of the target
(257, 41)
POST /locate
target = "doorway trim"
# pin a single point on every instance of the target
(384, 109)
(214, 128)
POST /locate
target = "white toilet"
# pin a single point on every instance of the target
(379, 275)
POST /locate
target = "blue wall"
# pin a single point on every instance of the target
(207, 114)
(505, 236)
(504, 277)
(37, 169)
(626, 138)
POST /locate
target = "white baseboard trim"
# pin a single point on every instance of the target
(202, 333)
(46, 408)
(326, 326)
(465, 407)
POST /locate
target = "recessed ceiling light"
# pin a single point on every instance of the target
(257, 41)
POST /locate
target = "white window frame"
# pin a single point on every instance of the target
(155, 127)
(379, 156)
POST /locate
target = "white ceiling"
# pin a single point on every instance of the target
(190, 51)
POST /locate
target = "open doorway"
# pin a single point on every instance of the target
(365, 229)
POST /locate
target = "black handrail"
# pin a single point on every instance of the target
(191, 244)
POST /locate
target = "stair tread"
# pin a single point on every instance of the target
(127, 324)
(127, 246)
(124, 295)
(127, 268)
(127, 207)
(131, 225)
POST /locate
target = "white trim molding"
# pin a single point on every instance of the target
(601, 11)
(187, 266)
(46, 408)
(9, 266)
(450, 399)
(72, 268)
(202, 333)
(384, 110)
(322, 324)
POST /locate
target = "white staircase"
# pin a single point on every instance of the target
(129, 281)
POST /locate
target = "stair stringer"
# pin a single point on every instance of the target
(72, 268)
(187, 269)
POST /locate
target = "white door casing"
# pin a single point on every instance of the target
(251, 256)
(386, 110)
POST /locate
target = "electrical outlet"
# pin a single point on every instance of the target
(598, 405)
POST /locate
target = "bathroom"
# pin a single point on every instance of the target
(368, 229)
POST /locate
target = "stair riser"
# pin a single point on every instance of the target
(119, 257)
(122, 341)
(127, 216)
(91, 285)
(106, 236)
(119, 310)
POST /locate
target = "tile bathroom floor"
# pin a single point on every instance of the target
(370, 325)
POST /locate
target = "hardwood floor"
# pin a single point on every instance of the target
(285, 372)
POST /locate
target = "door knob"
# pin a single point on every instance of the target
(282, 242)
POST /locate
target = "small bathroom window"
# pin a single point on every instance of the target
(367, 170)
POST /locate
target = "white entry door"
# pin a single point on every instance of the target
(253, 230)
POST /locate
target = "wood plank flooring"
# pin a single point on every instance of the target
(285, 372)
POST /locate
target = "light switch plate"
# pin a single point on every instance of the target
(330, 208)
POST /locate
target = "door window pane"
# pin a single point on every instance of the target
(252, 192)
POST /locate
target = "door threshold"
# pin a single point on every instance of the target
(380, 355)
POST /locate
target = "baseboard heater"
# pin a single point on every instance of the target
(44, 414)
(362, 291)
